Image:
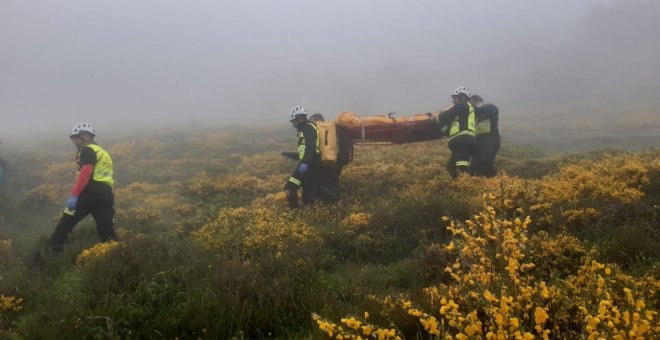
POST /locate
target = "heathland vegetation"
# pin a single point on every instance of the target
(556, 246)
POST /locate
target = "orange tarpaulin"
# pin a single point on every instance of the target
(382, 128)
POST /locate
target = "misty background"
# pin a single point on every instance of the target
(585, 68)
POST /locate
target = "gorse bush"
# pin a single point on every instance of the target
(576, 196)
(557, 246)
(495, 291)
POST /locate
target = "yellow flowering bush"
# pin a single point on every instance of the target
(96, 251)
(575, 196)
(611, 304)
(258, 230)
(495, 289)
(555, 257)
(10, 304)
(354, 328)
(44, 195)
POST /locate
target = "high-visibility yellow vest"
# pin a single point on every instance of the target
(455, 129)
(483, 126)
(103, 168)
(301, 142)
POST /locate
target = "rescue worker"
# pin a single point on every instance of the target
(460, 122)
(487, 138)
(476, 101)
(92, 192)
(305, 174)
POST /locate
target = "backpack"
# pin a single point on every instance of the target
(335, 146)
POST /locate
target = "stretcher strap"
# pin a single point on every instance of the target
(362, 123)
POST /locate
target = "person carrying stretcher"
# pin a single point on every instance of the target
(460, 125)
(306, 173)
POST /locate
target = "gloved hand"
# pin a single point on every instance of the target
(71, 202)
(303, 168)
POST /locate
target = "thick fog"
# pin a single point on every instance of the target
(125, 63)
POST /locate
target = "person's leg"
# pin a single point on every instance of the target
(103, 214)
(310, 186)
(494, 147)
(67, 222)
(333, 184)
(488, 166)
(463, 154)
(327, 185)
(477, 162)
(451, 165)
(291, 194)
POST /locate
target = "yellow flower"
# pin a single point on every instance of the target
(366, 330)
(10, 303)
(95, 251)
(489, 296)
(540, 315)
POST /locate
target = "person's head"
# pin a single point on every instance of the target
(297, 115)
(82, 134)
(460, 95)
(475, 100)
(317, 117)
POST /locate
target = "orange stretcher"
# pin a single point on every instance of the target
(383, 128)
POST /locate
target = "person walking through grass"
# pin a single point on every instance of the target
(92, 192)
(308, 153)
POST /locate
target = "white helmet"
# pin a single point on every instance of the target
(82, 127)
(464, 90)
(297, 110)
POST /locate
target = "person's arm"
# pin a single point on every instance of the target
(87, 163)
(446, 117)
(290, 154)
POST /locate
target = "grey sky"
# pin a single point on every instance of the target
(116, 63)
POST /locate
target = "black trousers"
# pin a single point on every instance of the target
(459, 162)
(100, 205)
(483, 162)
(309, 185)
(328, 184)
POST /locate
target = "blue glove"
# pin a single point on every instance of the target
(303, 168)
(71, 202)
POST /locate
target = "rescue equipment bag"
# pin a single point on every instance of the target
(327, 143)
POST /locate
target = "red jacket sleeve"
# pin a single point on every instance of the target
(83, 179)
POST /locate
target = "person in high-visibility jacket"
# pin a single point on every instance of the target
(308, 153)
(487, 138)
(460, 125)
(92, 192)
